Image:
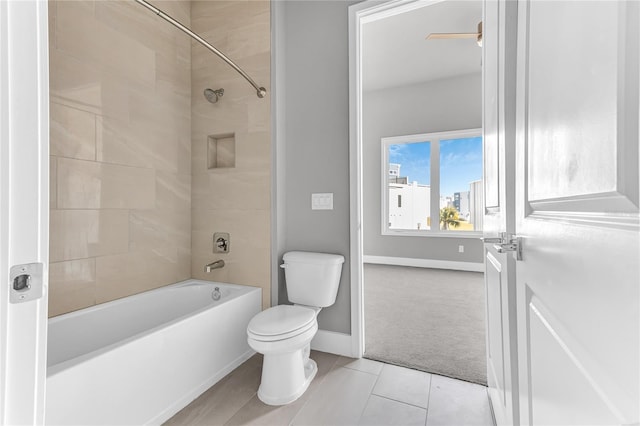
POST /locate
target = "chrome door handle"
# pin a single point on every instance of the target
(492, 240)
(506, 243)
(501, 238)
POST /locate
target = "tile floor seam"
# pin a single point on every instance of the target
(426, 418)
(226, 422)
(364, 408)
(401, 402)
(429, 392)
(366, 372)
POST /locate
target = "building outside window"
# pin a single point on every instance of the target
(452, 160)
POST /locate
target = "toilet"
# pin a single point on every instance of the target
(283, 333)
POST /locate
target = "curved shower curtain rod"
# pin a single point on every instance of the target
(260, 91)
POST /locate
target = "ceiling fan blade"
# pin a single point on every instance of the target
(439, 36)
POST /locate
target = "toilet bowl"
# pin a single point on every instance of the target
(283, 333)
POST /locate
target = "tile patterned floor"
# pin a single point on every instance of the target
(344, 392)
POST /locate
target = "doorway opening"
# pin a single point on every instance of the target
(419, 257)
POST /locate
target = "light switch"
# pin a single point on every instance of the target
(322, 201)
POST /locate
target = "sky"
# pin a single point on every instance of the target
(460, 162)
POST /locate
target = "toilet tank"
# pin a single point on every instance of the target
(312, 279)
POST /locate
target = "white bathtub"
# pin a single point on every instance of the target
(141, 359)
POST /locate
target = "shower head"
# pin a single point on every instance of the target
(213, 95)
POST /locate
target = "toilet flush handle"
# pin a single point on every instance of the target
(284, 265)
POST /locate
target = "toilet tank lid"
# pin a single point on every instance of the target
(311, 257)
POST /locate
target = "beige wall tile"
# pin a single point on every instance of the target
(85, 86)
(72, 286)
(52, 24)
(173, 192)
(117, 143)
(259, 115)
(248, 261)
(235, 200)
(140, 79)
(92, 185)
(253, 151)
(53, 183)
(248, 229)
(134, 272)
(230, 189)
(175, 72)
(237, 28)
(137, 23)
(130, 206)
(76, 234)
(81, 35)
(179, 9)
(160, 141)
(215, 119)
(161, 123)
(152, 228)
(72, 132)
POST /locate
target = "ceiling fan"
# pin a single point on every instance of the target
(477, 35)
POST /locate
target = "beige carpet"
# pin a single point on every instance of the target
(427, 319)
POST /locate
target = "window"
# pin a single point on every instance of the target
(436, 175)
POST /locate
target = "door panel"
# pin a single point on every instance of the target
(490, 65)
(557, 359)
(495, 335)
(577, 212)
(580, 85)
(573, 109)
(499, 155)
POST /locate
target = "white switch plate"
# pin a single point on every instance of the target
(322, 201)
(460, 249)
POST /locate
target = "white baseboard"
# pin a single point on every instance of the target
(332, 342)
(425, 263)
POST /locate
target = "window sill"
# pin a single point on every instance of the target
(433, 234)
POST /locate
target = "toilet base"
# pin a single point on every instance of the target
(283, 386)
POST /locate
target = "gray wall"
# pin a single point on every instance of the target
(437, 106)
(311, 72)
(278, 149)
(316, 130)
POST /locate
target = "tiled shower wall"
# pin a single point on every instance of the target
(120, 151)
(232, 199)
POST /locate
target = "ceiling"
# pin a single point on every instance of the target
(395, 52)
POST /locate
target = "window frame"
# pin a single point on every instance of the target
(434, 139)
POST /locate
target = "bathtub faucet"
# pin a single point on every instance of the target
(214, 265)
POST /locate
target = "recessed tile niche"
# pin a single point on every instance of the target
(221, 151)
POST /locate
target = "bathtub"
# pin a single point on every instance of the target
(141, 359)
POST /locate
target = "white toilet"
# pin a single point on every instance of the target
(283, 333)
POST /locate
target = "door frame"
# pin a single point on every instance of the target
(24, 205)
(360, 14)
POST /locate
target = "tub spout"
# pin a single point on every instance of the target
(214, 265)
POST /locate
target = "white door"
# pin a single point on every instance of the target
(578, 287)
(24, 209)
(499, 173)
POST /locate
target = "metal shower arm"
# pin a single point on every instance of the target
(260, 91)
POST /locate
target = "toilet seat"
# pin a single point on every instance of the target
(281, 322)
